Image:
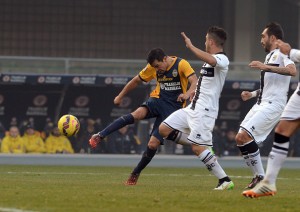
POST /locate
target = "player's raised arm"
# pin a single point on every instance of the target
(132, 84)
(204, 56)
(287, 70)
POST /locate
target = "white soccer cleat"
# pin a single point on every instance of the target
(224, 186)
(262, 189)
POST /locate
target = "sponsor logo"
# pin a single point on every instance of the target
(208, 72)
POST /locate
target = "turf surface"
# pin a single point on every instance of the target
(69, 188)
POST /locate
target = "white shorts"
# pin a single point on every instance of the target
(292, 109)
(197, 124)
(261, 119)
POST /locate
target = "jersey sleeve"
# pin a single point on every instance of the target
(286, 60)
(295, 55)
(222, 60)
(148, 73)
(185, 68)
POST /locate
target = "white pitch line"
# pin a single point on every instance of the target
(14, 210)
(105, 173)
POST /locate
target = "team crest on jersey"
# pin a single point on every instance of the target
(175, 73)
(274, 57)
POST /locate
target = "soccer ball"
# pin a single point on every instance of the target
(68, 125)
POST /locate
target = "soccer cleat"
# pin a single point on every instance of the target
(224, 186)
(255, 181)
(95, 140)
(260, 190)
(132, 180)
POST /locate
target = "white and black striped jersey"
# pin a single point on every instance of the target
(295, 56)
(210, 85)
(273, 86)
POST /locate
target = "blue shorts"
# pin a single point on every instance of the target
(159, 109)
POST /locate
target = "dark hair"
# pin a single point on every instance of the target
(155, 54)
(275, 29)
(218, 34)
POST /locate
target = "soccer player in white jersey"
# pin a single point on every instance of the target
(194, 124)
(276, 73)
(288, 125)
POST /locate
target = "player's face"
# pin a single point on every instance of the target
(265, 41)
(160, 66)
(207, 43)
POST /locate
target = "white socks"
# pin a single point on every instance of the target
(212, 164)
(276, 158)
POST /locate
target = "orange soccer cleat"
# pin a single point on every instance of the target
(95, 140)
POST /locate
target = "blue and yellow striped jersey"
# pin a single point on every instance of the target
(171, 83)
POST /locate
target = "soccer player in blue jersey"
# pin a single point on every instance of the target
(172, 75)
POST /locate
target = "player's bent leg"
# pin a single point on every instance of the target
(145, 160)
(138, 114)
(173, 135)
(251, 155)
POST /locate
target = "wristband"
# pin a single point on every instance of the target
(253, 94)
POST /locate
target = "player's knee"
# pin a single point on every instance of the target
(153, 144)
(198, 149)
(279, 129)
(172, 136)
(240, 139)
(140, 113)
(164, 130)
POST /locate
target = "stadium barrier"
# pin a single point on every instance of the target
(44, 96)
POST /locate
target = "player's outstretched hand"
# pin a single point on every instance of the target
(188, 42)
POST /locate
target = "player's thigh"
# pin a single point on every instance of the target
(251, 113)
(177, 120)
(140, 113)
(262, 121)
(287, 127)
(201, 127)
(292, 109)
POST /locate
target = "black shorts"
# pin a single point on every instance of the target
(159, 109)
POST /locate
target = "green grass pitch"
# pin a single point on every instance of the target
(73, 188)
